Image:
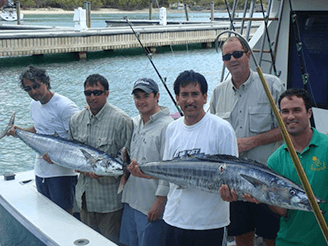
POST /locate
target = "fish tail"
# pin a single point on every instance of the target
(9, 126)
(126, 172)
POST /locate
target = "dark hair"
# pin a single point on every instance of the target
(93, 79)
(33, 73)
(299, 93)
(187, 77)
(242, 42)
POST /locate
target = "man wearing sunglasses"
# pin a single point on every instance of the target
(51, 113)
(108, 129)
(242, 101)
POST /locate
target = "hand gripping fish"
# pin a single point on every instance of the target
(209, 172)
(69, 154)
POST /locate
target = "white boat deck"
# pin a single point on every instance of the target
(48, 222)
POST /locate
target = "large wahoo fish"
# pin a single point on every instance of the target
(69, 154)
(209, 172)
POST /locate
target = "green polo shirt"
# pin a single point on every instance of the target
(301, 227)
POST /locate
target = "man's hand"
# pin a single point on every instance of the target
(156, 210)
(227, 195)
(92, 175)
(12, 132)
(47, 158)
(247, 197)
(135, 170)
(244, 144)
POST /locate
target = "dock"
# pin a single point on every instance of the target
(25, 41)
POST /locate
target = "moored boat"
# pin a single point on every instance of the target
(9, 13)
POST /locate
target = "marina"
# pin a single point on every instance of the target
(123, 66)
(18, 40)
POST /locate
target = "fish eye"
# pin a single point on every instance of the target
(292, 192)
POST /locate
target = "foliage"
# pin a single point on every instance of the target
(132, 4)
(126, 4)
(27, 3)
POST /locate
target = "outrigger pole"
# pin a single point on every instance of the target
(160, 77)
(300, 171)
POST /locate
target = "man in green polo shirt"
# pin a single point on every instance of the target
(300, 227)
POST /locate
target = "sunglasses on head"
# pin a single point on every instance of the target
(95, 92)
(235, 54)
(29, 88)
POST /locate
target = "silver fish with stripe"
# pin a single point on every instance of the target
(69, 154)
(209, 172)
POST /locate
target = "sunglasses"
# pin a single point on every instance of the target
(235, 54)
(95, 92)
(29, 88)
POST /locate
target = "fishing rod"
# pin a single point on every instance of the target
(160, 77)
(299, 46)
(217, 40)
(265, 18)
(230, 18)
(300, 171)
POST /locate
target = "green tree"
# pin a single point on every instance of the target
(27, 3)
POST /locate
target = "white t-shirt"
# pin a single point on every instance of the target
(50, 119)
(190, 208)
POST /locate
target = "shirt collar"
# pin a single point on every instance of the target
(246, 84)
(100, 114)
(314, 140)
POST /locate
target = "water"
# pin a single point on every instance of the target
(120, 67)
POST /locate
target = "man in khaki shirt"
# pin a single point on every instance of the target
(108, 129)
(242, 101)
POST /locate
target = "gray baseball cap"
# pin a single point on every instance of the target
(145, 84)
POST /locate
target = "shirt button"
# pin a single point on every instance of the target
(240, 111)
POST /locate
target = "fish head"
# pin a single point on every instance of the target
(291, 195)
(109, 167)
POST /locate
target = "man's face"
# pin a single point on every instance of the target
(294, 115)
(38, 91)
(145, 102)
(96, 102)
(236, 66)
(191, 100)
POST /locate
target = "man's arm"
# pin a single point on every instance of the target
(264, 138)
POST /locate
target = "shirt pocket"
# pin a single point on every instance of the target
(105, 144)
(260, 118)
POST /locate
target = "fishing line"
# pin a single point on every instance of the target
(160, 77)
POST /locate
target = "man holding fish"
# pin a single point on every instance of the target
(242, 101)
(51, 113)
(194, 217)
(144, 199)
(298, 227)
(108, 129)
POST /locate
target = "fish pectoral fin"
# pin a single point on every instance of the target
(255, 182)
(89, 157)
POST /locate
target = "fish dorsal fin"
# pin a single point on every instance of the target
(89, 157)
(257, 183)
